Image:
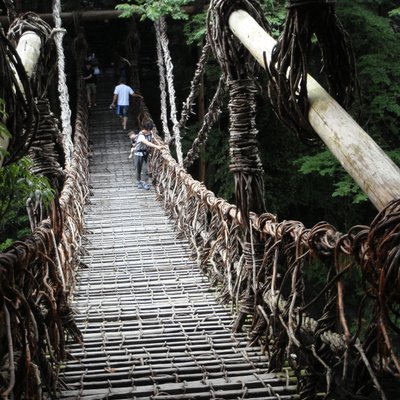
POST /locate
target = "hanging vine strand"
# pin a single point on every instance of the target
(58, 34)
(11, 13)
(209, 120)
(161, 32)
(195, 85)
(163, 90)
(290, 61)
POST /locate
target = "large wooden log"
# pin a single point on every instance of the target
(68, 17)
(375, 173)
(28, 49)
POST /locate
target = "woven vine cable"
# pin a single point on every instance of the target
(47, 145)
(11, 13)
(209, 120)
(289, 63)
(62, 84)
(195, 85)
(162, 29)
(163, 90)
(238, 67)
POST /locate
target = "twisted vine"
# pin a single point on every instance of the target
(290, 57)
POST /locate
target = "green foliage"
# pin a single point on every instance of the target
(3, 117)
(346, 187)
(325, 164)
(377, 47)
(154, 9)
(275, 13)
(5, 244)
(395, 13)
(17, 184)
(195, 29)
(322, 163)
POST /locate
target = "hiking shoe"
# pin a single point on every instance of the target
(139, 185)
(145, 185)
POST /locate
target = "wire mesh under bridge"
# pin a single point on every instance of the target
(151, 325)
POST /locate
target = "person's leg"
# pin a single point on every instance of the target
(124, 117)
(89, 99)
(145, 175)
(94, 95)
(139, 164)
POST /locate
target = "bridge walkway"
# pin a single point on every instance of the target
(152, 327)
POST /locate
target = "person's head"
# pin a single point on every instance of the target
(148, 125)
(88, 64)
(131, 135)
(122, 81)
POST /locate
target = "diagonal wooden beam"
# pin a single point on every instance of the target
(376, 174)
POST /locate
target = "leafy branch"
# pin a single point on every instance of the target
(17, 184)
(154, 9)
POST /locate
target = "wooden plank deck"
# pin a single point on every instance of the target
(152, 327)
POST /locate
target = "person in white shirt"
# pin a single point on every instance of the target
(121, 98)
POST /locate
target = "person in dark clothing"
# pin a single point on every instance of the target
(90, 83)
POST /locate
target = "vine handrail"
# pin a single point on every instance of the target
(279, 316)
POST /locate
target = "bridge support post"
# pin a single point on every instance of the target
(375, 173)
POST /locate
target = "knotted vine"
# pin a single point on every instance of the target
(58, 34)
(238, 68)
(11, 13)
(209, 120)
(163, 90)
(290, 57)
(161, 33)
(195, 85)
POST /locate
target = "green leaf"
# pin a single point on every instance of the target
(155, 9)
(322, 163)
(17, 184)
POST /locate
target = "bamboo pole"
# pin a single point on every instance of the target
(375, 173)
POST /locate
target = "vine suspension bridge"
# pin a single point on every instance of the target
(151, 325)
(111, 295)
